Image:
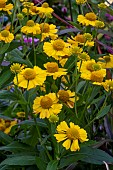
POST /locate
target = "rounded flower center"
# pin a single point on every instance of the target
(46, 102)
(58, 45)
(89, 66)
(84, 56)
(2, 3)
(72, 134)
(29, 74)
(107, 59)
(45, 5)
(52, 67)
(44, 27)
(96, 67)
(80, 38)
(91, 16)
(7, 123)
(33, 9)
(63, 95)
(97, 76)
(5, 33)
(30, 23)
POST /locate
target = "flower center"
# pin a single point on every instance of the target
(5, 33)
(91, 16)
(97, 76)
(72, 134)
(29, 74)
(45, 5)
(44, 28)
(46, 102)
(107, 59)
(89, 66)
(2, 3)
(80, 38)
(58, 45)
(96, 67)
(34, 9)
(52, 67)
(63, 95)
(7, 123)
(30, 23)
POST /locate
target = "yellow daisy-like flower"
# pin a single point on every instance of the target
(2, 124)
(20, 114)
(108, 85)
(45, 10)
(83, 56)
(90, 70)
(30, 77)
(33, 10)
(81, 39)
(99, 24)
(47, 105)
(27, 4)
(8, 125)
(107, 61)
(48, 31)
(102, 6)
(79, 2)
(16, 68)
(31, 28)
(52, 69)
(67, 97)
(88, 19)
(4, 7)
(70, 135)
(6, 36)
(57, 48)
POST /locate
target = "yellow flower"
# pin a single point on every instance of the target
(107, 61)
(33, 10)
(52, 69)
(83, 56)
(31, 28)
(99, 24)
(45, 10)
(20, 114)
(8, 125)
(108, 85)
(102, 6)
(27, 4)
(79, 2)
(90, 70)
(6, 36)
(67, 97)
(30, 77)
(48, 31)
(16, 68)
(4, 7)
(70, 135)
(53, 118)
(56, 48)
(88, 19)
(2, 124)
(47, 105)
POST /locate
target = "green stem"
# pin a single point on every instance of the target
(75, 79)
(13, 15)
(34, 50)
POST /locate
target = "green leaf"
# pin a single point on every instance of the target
(19, 160)
(52, 165)
(5, 76)
(40, 163)
(4, 48)
(80, 85)
(6, 139)
(103, 111)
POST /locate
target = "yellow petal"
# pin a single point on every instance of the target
(67, 144)
(75, 146)
(60, 137)
(62, 127)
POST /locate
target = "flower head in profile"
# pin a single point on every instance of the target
(47, 105)
(102, 6)
(108, 85)
(52, 69)
(57, 48)
(20, 114)
(48, 31)
(106, 61)
(99, 24)
(31, 28)
(45, 10)
(67, 97)
(8, 125)
(89, 19)
(70, 135)
(30, 77)
(33, 10)
(5, 7)
(6, 36)
(16, 68)
(79, 2)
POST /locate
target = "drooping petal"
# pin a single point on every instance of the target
(75, 145)
(60, 137)
(67, 144)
